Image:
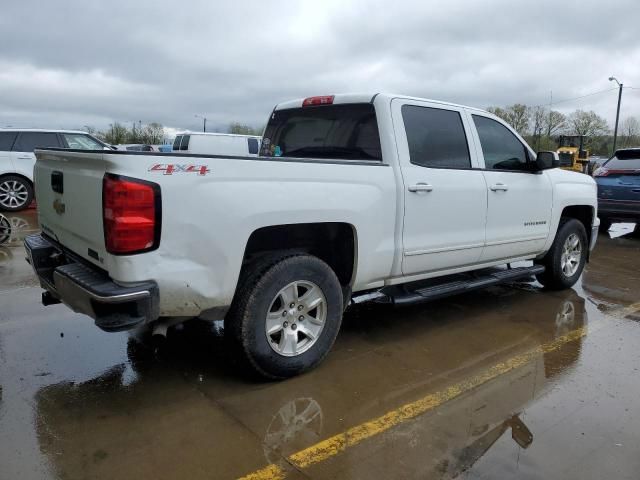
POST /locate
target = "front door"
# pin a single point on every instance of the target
(445, 198)
(519, 199)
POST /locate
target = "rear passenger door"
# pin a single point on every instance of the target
(519, 197)
(445, 198)
(22, 153)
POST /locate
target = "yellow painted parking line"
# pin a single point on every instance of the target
(335, 445)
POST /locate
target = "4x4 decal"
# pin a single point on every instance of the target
(171, 168)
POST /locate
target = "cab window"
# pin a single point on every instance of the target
(501, 149)
(436, 137)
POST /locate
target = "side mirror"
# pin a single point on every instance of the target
(547, 160)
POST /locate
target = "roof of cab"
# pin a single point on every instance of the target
(342, 98)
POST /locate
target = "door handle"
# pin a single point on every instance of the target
(635, 190)
(420, 187)
(499, 187)
(25, 158)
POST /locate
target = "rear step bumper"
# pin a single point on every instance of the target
(447, 286)
(86, 289)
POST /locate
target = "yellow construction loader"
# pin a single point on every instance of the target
(572, 154)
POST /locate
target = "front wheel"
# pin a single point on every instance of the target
(565, 259)
(286, 315)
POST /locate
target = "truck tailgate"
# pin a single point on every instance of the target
(68, 186)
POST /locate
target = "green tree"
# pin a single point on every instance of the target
(629, 131)
(152, 133)
(117, 133)
(588, 123)
(516, 115)
(538, 116)
(242, 129)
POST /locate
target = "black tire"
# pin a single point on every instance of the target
(553, 277)
(605, 225)
(13, 182)
(256, 292)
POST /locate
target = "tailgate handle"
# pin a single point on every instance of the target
(57, 183)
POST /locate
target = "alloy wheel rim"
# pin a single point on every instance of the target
(13, 194)
(296, 318)
(571, 255)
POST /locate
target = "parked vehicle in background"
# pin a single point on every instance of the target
(137, 147)
(17, 159)
(572, 154)
(595, 162)
(618, 182)
(217, 144)
(165, 148)
(355, 198)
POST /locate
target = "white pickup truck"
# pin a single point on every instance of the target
(353, 198)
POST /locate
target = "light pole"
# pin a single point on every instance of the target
(615, 130)
(204, 122)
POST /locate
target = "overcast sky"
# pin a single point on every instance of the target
(74, 63)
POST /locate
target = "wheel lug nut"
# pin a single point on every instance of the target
(285, 324)
(301, 317)
(300, 307)
(284, 314)
(294, 326)
(292, 305)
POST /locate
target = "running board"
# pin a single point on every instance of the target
(452, 285)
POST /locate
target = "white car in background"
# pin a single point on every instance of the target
(17, 160)
(227, 144)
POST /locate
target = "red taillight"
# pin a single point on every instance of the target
(322, 100)
(131, 215)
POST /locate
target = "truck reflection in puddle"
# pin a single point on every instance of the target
(170, 416)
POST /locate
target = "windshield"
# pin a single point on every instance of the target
(348, 131)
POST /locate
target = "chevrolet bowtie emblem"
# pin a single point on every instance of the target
(58, 206)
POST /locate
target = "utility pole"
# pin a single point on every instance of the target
(549, 123)
(615, 130)
(204, 122)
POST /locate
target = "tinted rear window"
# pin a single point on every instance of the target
(184, 144)
(623, 163)
(176, 142)
(6, 140)
(29, 141)
(628, 154)
(347, 131)
(253, 145)
(436, 137)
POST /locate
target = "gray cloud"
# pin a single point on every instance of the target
(91, 63)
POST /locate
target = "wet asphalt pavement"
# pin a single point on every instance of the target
(510, 382)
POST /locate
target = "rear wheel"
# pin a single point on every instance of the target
(565, 259)
(16, 193)
(286, 315)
